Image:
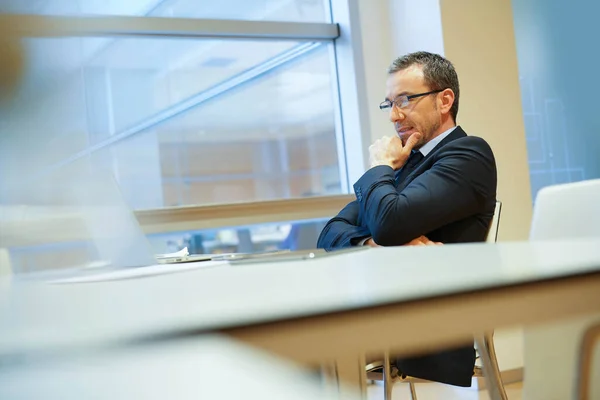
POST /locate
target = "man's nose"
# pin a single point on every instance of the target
(396, 114)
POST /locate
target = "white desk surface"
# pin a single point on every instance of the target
(208, 367)
(43, 315)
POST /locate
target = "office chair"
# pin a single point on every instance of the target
(383, 370)
(570, 211)
(591, 338)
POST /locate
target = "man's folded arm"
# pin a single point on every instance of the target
(344, 229)
(457, 186)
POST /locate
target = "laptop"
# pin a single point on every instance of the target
(121, 245)
(117, 235)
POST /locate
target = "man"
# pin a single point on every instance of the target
(431, 183)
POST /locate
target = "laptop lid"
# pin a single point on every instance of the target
(111, 224)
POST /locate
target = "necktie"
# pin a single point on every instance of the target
(414, 160)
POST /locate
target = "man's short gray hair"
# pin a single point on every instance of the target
(439, 73)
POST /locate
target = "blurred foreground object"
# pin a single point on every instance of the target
(11, 61)
(209, 367)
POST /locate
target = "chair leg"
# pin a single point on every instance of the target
(413, 390)
(329, 380)
(586, 353)
(491, 370)
(351, 376)
(388, 384)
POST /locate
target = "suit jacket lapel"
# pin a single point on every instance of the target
(455, 134)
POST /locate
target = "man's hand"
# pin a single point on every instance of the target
(389, 151)
(422, 241)
(371, 243)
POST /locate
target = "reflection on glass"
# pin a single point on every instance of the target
(205, 122)
(253, 10)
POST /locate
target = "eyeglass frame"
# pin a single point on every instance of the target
(389, 104)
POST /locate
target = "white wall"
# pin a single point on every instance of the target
(416, 28)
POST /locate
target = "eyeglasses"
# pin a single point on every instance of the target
(403, 100)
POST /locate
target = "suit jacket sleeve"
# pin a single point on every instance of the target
(457, 185)
(343, 230)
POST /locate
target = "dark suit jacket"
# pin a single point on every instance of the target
(449, 197)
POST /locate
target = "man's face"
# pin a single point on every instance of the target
(421, 114)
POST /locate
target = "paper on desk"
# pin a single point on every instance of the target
(141, 272)
(181, 253)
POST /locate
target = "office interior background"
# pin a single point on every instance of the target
(197, 121)
(238, 144)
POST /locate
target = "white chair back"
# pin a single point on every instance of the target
(567, 211)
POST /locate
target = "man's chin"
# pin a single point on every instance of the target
(404, 139)
(405, 136)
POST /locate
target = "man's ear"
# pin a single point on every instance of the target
(446, 100)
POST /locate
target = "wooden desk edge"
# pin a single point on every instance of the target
(423, 326)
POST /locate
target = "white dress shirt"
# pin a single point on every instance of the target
(427, 147)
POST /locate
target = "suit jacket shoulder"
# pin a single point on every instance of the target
(469, 146)
(459, 139)
(466, 142)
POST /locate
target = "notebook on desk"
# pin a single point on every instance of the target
(183, 256)
(296, 255)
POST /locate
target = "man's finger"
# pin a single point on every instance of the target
(415, 242)
(371, 242)
(424, 240)
(412, 141)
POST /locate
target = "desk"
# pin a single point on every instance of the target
(415, 298)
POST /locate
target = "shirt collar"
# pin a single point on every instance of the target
(427, 147)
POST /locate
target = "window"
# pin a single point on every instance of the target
(182, 121)
(181, 112)
(259, 125)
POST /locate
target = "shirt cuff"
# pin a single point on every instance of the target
(363, 241)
